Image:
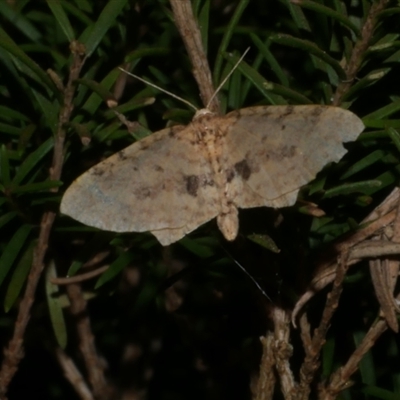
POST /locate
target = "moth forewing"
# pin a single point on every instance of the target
(181, 177)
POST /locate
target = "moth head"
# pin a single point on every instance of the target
(202, 113)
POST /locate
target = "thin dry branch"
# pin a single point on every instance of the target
(383, 293)
(359, 50)
(311, 362)
(380, 218)
(94, 365)
(266, 380)
(332, 302)
(382, 215)
(72, 374)
(79, 278)
(191, 36)
(14, 352)
(384, 274)
(283, 351)
(340, 379)
(305, 334)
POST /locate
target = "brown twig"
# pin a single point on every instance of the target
(340, 379)
(383, 293)
(382, 216)
(283, 351)
(359, 50)
(266, 380)
(331, 303)
(311, 362)
(80, 277)
(75, 378)
(14, 352)
(305, 334)
(94, 365)
(190, 33)
(393, 265)
(384, 274)
(365, 249)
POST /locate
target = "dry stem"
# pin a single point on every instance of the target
(71, 372)
(79, 278)
(94, 365)
(359, 50)
(191, 36)
(382, 216)
(311, 362)
(340, 379)
(283, 351)
(14, 352)
(266, 381)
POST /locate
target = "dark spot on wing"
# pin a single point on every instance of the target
(288, 151)
(264, 138)
(279, 154)
(143, 145)
(288, 111)
(243, 169)
(158, 168)
(142, 193)
(171, 133)
(192, 184)
(261, 111)
(97, 171)
(267, 111)
(317, 111)
(206, 181)
(230, 174)
(121, 155)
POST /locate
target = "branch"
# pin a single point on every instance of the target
(340, 379)
(191, 36)
(14, 352)
(381, 217)
(94, 365)
(79, 278)
(311, 362)
(266, 380)
(71, 372)
(359, 50)
(283, 350)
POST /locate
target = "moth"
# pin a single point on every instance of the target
(177, 179)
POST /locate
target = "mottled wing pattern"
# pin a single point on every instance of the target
(274, 150)
(162, 184)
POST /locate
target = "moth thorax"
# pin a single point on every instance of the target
(203, 113)
(228, 224)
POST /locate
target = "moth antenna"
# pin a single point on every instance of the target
(248, 274)
(227, 77)
(159, 88)
(252, 279)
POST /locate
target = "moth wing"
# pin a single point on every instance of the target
(274, 150)
(162, 183)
